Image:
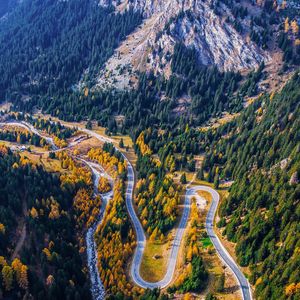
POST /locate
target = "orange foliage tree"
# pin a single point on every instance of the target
(104, 185)
(87, 208)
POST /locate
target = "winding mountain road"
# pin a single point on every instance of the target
(141, 241)
(141, 238)
(98, 291)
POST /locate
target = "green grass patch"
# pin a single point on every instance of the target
(206, 242)
(153, 269)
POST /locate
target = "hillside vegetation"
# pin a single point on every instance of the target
(49, 264)
(262, 213)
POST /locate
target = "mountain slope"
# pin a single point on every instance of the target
(262, 214)
(47, 45)
(202, 25)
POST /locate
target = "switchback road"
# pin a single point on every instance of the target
(141, 238)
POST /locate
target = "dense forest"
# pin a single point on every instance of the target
(46, 46)
(259, 150)
(262, 215)
(157, 196)
(264, 135)
(252, 140)
(50, 264)
(156, 101)
(262, 212)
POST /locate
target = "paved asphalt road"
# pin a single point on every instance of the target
(141, 241)
(141, 238)
(30, 127)
(222, 252)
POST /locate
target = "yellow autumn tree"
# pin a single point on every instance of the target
(286, 25)
(162, 237)
(7, 277)
(2, 228)
(21, 273)
(144, 213)
(189, 254)
(3, 261)
(154, 234)
(47, 254)
(104, 185)
(16, 265)
(295, 27)
(272, 96)
(292, 289)
(144, 148)
(188, 296)
(54, 213)
(33, 213)
(15, 166)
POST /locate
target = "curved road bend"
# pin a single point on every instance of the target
(141, 238)
(222, 252)
(30, 127)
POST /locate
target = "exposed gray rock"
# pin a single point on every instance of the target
(192, 22)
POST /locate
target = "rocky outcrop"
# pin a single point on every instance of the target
(294, 179)
(192, 22)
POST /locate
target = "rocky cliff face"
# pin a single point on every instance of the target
(192, 22)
